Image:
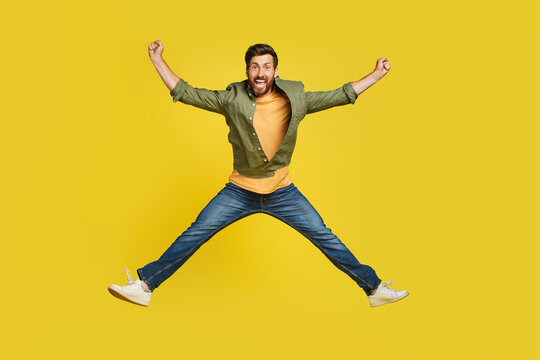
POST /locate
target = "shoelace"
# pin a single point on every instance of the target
(130, 281)
(384, 287)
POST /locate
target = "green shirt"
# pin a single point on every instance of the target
(237, 103)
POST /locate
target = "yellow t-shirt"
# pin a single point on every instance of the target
(271, 121)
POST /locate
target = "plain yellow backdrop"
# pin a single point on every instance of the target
(431, 178)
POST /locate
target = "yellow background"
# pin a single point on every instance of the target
(431, 178)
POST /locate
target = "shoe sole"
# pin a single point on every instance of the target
(388, 302)
(121, 296)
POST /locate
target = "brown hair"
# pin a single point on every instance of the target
(260, 49)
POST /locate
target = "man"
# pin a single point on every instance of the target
(263, 114)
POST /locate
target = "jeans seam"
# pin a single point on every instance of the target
(204, 240)
(301, 232)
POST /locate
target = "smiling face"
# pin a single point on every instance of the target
(261, 74)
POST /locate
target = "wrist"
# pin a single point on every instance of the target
(376, 76)
(156, 59)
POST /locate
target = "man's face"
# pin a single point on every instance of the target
(261, 74)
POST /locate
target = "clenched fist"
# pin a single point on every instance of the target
(382, 67)
(155, 49)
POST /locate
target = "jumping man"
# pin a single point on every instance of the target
(263, 113)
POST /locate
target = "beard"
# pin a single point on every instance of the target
(260, 90)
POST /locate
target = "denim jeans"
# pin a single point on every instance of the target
(233, 203)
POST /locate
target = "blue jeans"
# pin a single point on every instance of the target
(233, 203)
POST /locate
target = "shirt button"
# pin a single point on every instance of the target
(253, 133)
(253, 104)
(250, 118)
(265, 160)
(259, 148)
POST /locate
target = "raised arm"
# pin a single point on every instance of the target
(347, 94)
(155, 50)
(381, 68)
(180, 90)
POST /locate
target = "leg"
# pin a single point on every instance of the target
(289, 205)
(228, 206)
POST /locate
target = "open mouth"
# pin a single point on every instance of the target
(260, 84)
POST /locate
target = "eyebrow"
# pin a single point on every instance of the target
(259, 64)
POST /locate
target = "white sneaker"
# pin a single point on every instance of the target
(383, 295)
(132, 292)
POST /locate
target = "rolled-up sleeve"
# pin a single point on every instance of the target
(322, 100)
(211, 100)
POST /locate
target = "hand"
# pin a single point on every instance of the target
(155, 49)
(382, 67)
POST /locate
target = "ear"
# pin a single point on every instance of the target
(247, 73)
(276, 73)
